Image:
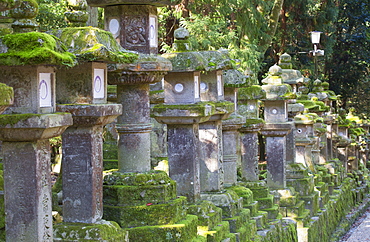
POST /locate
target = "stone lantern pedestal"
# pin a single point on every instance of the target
(27, 180)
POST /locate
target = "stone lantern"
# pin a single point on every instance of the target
(182, 112)
(82, 91)
(26, 129)
(276, 127)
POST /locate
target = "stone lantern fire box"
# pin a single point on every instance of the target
(34, 88)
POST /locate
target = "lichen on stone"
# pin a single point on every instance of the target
(33, 48)
(93, 44)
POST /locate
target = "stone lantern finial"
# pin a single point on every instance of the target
(24, 16)
(285, 61)
(77, 14)
(181, 40)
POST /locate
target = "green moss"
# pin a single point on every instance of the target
(34, 48)
(251, 122)
(104, 231)
(183, 231)
(314, 106)
(251, 93)
(200, 108)
(6, 94)
(12, 119)
(93, 44)
(150, 214)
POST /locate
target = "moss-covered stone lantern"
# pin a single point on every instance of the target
(276, 127)
(28, 65)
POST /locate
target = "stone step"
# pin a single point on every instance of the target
(239, 221)
(324, 199)
(253, 207)
(243, 192)
(311, 202)
(120, 189)
(261, 219)
(303, 219)
(273, 212)
(184, 230)
(149, 214)
(228, 201)
(296, 210)
(304, 186)
(220, 232)
(322, 187)
(265, 202)
(208, 214)
(100, 231)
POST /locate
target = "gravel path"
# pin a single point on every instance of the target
(360, 230)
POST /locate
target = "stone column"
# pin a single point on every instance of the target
(83, 161)
(249, 151)
(276, 154)
(210, 132)
(304, 141)
(231, 147)
(183, 144)
(231, 144)
(134, 126)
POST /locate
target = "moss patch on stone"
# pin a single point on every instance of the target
(253, 92)
(183, 231)
(102, 231)
(148, 214)
(12, 119)
(34, 48)
(93, 44)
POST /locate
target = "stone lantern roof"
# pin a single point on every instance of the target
(93, 44)
(186, 60)
(33, 48)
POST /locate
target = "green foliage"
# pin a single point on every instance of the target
(348, 69)
(241, 26)
(51, 14)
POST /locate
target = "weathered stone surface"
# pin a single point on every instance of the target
(83, 161)
(27, 185)
(135, 26)
(183, 157)
(27, 127)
